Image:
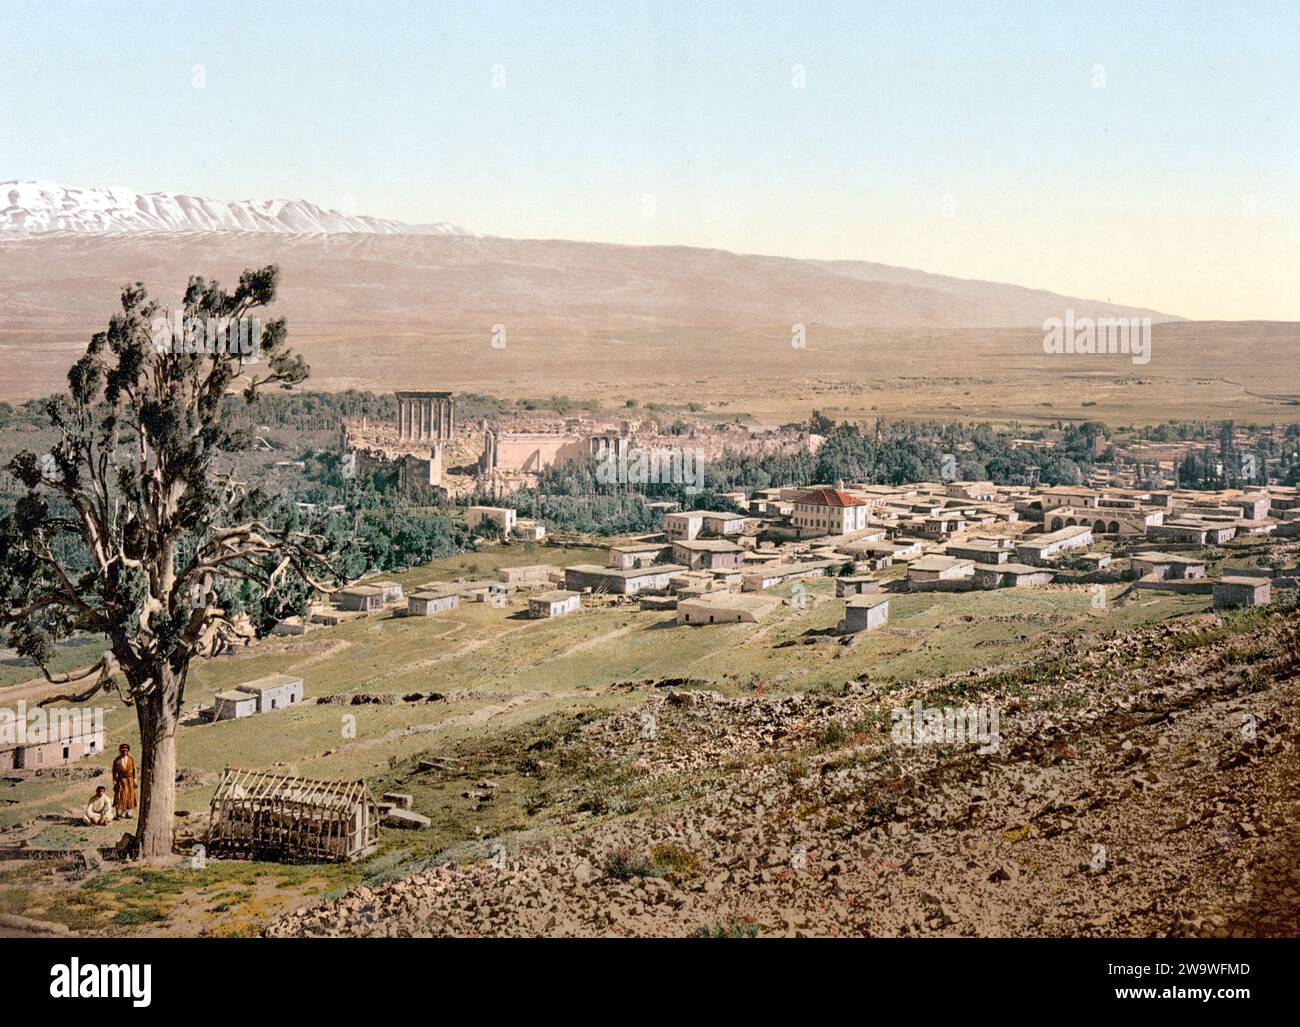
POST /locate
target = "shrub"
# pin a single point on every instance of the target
(623, 865)
(733, 928)
(669, 857)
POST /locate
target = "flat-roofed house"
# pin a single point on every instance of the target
(690, 524)
(980, 552)
(941, 525)
(1037, 549)
(1095, 561)
(426, 604)
(937, 573)
(529, 530)
(261, 695)
(504, 516)
(715, 523)
(877, 555)
(636, 554)
(1234, 591)
(777, 573)
(1183, 531)
(1069, 495)
(478, 590)
(621, 582)
(726, 608)
(1011, 575)
(391, 589)
(1253, 507)
(361, 598)
(856, 585)
(79, 738)
(524, 574)
(233, 704)
(824, 511)
(555, 603)
(708, 554)
(1165, 567)
(981, 490)
(683, 525)
(862, 613)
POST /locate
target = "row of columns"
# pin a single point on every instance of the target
(425, 417)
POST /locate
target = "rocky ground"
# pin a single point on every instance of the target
(1143, 786)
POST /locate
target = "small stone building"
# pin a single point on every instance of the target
(504, 516)
(707, 554)
(524, 574)
(391, 590)
(1010, 575)
(82, 741)
(233, 704)
(621, 582)
(862, 613)
(425, 604)
(636, 554)
(1234, 591)
(726, 608)
(361, 598)
(1166, 567)
(856, 585)
(555, 603)
(262, 695)
(939, 573)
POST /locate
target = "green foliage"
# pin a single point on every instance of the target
(732, 928)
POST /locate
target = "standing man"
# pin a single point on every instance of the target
(124, 782)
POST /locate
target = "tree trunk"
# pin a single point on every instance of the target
(157, 718)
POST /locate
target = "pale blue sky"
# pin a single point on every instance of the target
(961, 138)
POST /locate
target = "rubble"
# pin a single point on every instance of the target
(1125, 799)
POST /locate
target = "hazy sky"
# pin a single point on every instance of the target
(1140, 152)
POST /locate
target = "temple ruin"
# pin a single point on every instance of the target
(425, 416)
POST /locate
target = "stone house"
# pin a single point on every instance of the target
(862, 613)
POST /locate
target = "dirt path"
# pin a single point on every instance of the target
(474, 719)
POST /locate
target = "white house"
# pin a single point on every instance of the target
(829, 512)
(555, 603)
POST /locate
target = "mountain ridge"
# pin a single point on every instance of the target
(39, 208)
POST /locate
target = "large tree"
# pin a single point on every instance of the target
(133, 518)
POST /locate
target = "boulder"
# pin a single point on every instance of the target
(405, 819)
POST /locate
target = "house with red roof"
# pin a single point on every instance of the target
(827, 511)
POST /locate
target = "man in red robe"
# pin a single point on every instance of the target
(124, 782)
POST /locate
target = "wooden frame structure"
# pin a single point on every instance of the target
(263, 814)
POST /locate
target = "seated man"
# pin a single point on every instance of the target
(99, 810)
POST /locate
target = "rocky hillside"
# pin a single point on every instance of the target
(1144, 786)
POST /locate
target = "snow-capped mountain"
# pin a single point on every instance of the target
(31, 208)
